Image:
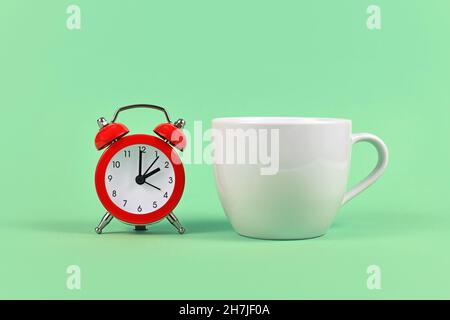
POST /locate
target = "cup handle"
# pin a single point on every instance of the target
(383, 156)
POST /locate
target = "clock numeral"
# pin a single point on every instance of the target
(125, 202)
(165, 195)
(156, 153)
(114, 193)
(143, 149)
(170, 180)
(166, 164)
(139, 209)
(116, 164)
(109, 178)
(155, 204)
(127, 153)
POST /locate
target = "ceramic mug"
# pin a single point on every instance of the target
(299, 196)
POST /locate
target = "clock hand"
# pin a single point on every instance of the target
(151, 165)
(141, 179)
(152, 173)
(153, 186)
(140, 163)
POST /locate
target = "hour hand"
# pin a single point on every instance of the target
(141, 179)
(152, 173)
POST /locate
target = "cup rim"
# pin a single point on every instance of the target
(279, 120)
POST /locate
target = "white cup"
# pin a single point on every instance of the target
(296, 194)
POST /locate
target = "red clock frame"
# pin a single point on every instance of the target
(150, 217)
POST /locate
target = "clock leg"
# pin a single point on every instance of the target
(140, 228)
(104, 222)
(176, 223)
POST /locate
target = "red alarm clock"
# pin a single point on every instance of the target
(139, 178)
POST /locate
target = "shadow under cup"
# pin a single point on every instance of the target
(282, 178)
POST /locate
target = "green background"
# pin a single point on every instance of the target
(206, 59)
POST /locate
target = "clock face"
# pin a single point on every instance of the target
(139, 179)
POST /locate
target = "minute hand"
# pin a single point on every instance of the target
(152, 173)
(140, 162)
